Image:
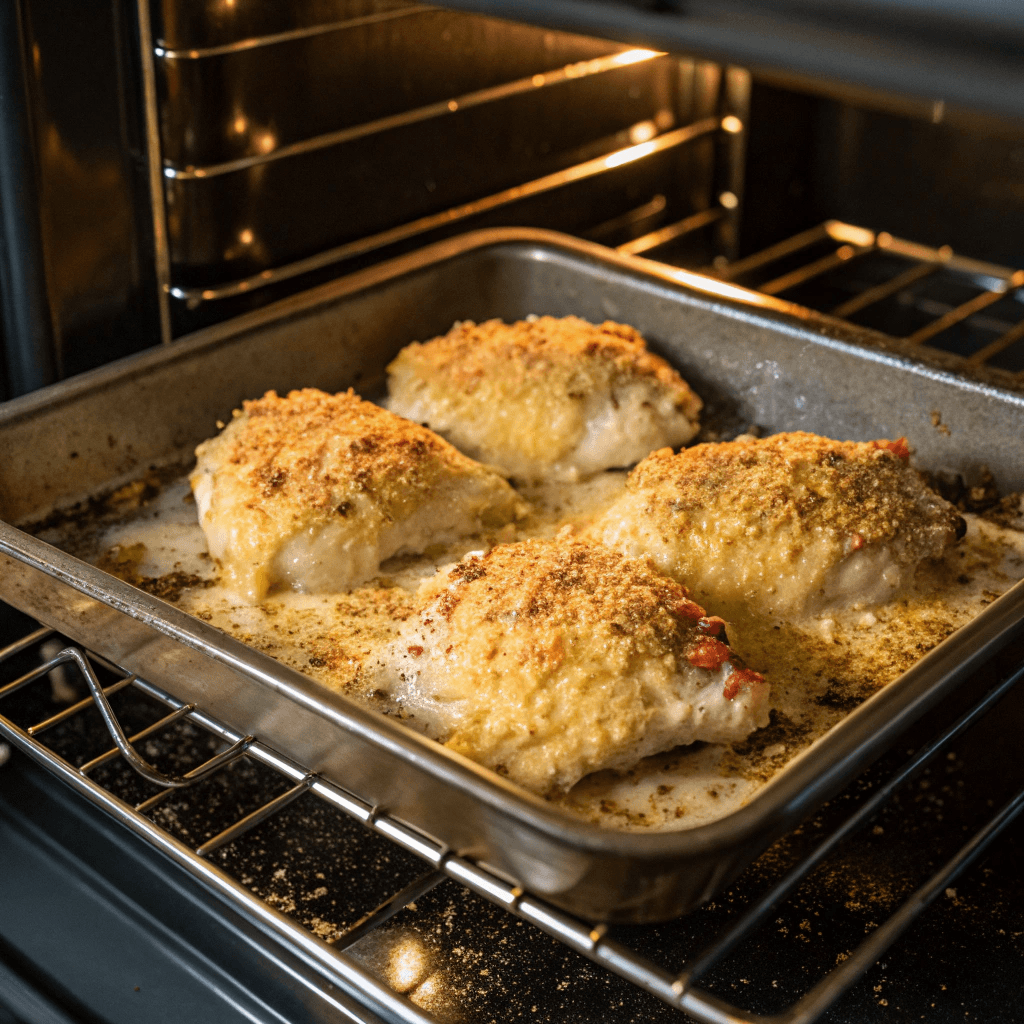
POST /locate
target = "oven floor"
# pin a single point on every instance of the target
(113, 932)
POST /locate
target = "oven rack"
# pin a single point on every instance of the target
(837, 250)
(713, 105)
(678, 990)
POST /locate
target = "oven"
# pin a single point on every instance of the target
(864, 161)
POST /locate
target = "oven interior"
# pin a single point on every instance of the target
(243, 152)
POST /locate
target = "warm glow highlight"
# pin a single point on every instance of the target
(635, 56)
(642, 131)
(625, 156)
(407, 965)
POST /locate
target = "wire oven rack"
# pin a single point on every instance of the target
(676, 988)
(926, 296)
(706, 126)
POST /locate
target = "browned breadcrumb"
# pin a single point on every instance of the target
(305, 489)
(770, 521)
(524, 395)
(800, 481)
(555, 658)
(561, 592)
(288, 447)
(568, 348)
(123, 562)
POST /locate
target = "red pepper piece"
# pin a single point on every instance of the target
(743, 677)
(899, 448)
(708, 653)
(687, 609)
(711, 625)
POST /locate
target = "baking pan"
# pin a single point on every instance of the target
(754, 359)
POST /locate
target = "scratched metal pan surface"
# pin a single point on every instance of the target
(756, 359)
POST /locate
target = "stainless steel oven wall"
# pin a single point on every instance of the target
(178, 162)
(304, 141)
(294, 142)
(76, 170)
(917, 169)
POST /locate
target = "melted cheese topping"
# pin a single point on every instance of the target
(314, 490)
(546, 398)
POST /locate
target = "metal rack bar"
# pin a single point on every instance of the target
(994, 282)
(391, 906)
(827, 991)
(403, 232)
(221, 761)
(993, 348)
(653, 208)
(774, 252)
(162, 723)
(164, 52)
(966, 309)
(885, 289)
(255, 817)
(335, 967)
(85, 702)
(671, 232)
(759, 913)
(443, 108)
(31, 676)
(816, 268)
(25, 643)
(592, 942)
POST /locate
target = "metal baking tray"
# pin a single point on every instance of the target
(754, 359)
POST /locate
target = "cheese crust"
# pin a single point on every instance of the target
(788, 525)
(546, 660)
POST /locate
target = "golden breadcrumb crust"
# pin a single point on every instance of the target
(300, 452)
(786, 525)
(523, 389)
(563, 655)
(564, 350)
(294, 466)
(543, 597)
(802, 482)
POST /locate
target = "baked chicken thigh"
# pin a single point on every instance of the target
(314, 491)
(546, 660)
(788, 525)
(544, 398)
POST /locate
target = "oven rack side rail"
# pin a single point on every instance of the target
(678, 990)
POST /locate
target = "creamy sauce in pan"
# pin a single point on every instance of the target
(819, 670)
